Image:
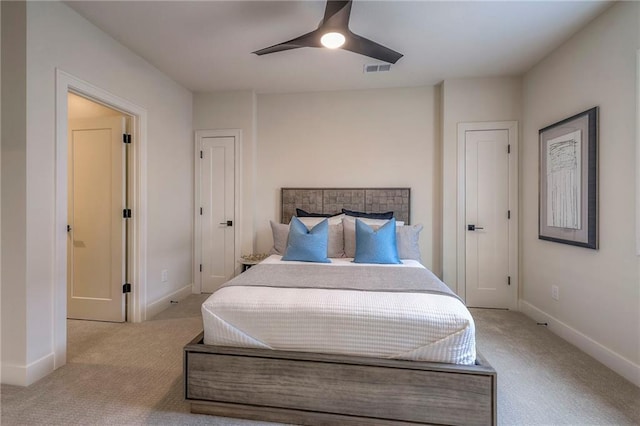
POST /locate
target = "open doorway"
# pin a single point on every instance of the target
(136, 190)
(97, 162)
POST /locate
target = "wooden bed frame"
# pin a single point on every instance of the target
(324, 389)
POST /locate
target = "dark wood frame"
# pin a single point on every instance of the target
(325, 389)
(587, 235)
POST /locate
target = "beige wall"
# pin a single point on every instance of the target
(384, 138)
(599, 306)
(57, 37)
(234, 110)
(359, 138)
(14, 183)
(468, 100)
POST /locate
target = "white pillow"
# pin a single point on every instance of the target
(370, 222)
(310, 222)
(407, 239)
(335, 247)
(280, 232)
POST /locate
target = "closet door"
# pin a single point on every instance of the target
(217, 197)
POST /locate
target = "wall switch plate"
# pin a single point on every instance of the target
(164, 275)
(555, 292)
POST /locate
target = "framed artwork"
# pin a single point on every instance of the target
(568, 188)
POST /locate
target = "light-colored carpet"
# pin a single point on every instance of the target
(128, 374)
(543, 380)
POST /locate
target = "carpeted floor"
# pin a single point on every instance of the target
(128, 374)
(543, 380)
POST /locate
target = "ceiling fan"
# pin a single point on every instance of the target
(333, 33)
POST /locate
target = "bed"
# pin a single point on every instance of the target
(290, 342)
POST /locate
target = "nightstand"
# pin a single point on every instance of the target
(247, 261)
(246, 264)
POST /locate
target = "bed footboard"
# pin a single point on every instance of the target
(320, 389)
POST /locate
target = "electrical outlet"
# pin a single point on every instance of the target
(555, 292)
(164, 275)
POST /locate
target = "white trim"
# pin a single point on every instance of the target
(621, 365)
(21, 375)
(512, 128)
(66, 83)
(197, 243)
(164, 302)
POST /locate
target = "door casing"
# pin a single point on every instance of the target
(512, 128)
(66, 83)
(197, 219)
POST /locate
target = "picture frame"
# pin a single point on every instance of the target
(568, 181)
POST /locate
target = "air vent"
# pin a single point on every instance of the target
(377, 68)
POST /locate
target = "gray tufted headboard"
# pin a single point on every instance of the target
(333, 200)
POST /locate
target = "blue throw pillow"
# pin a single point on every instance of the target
(376, 246)
(307, 245)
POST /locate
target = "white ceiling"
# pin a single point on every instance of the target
(206, 45)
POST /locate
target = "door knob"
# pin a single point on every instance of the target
(473, 227)
(227, 223)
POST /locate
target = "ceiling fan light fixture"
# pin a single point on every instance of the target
(334, 33)
(332, 40)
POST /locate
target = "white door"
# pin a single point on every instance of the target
(487, 216)
(96, 232)
(217, 198)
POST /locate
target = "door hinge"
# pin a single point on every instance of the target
(201, 267)
(126, 138)
(508, 214)
(201, 211)
(126, 213)
(509, 149)
(201, 155)
(126, 288)
(508, 280)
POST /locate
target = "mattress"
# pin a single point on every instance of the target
(380, 324)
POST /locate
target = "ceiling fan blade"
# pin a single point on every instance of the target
(364, 46)
(311, 39)
(336, 14)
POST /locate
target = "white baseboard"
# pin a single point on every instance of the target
(626, 368)
(21, 375)
(163, 303)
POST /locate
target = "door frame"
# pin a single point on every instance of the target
(512, 128)
(137, 187)
(237, 208)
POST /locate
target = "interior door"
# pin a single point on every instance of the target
(487, 219)
(96, 232)
(217, 195)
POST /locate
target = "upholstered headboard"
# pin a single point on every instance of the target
(333, 200)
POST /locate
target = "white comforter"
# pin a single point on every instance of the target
(413, 326)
